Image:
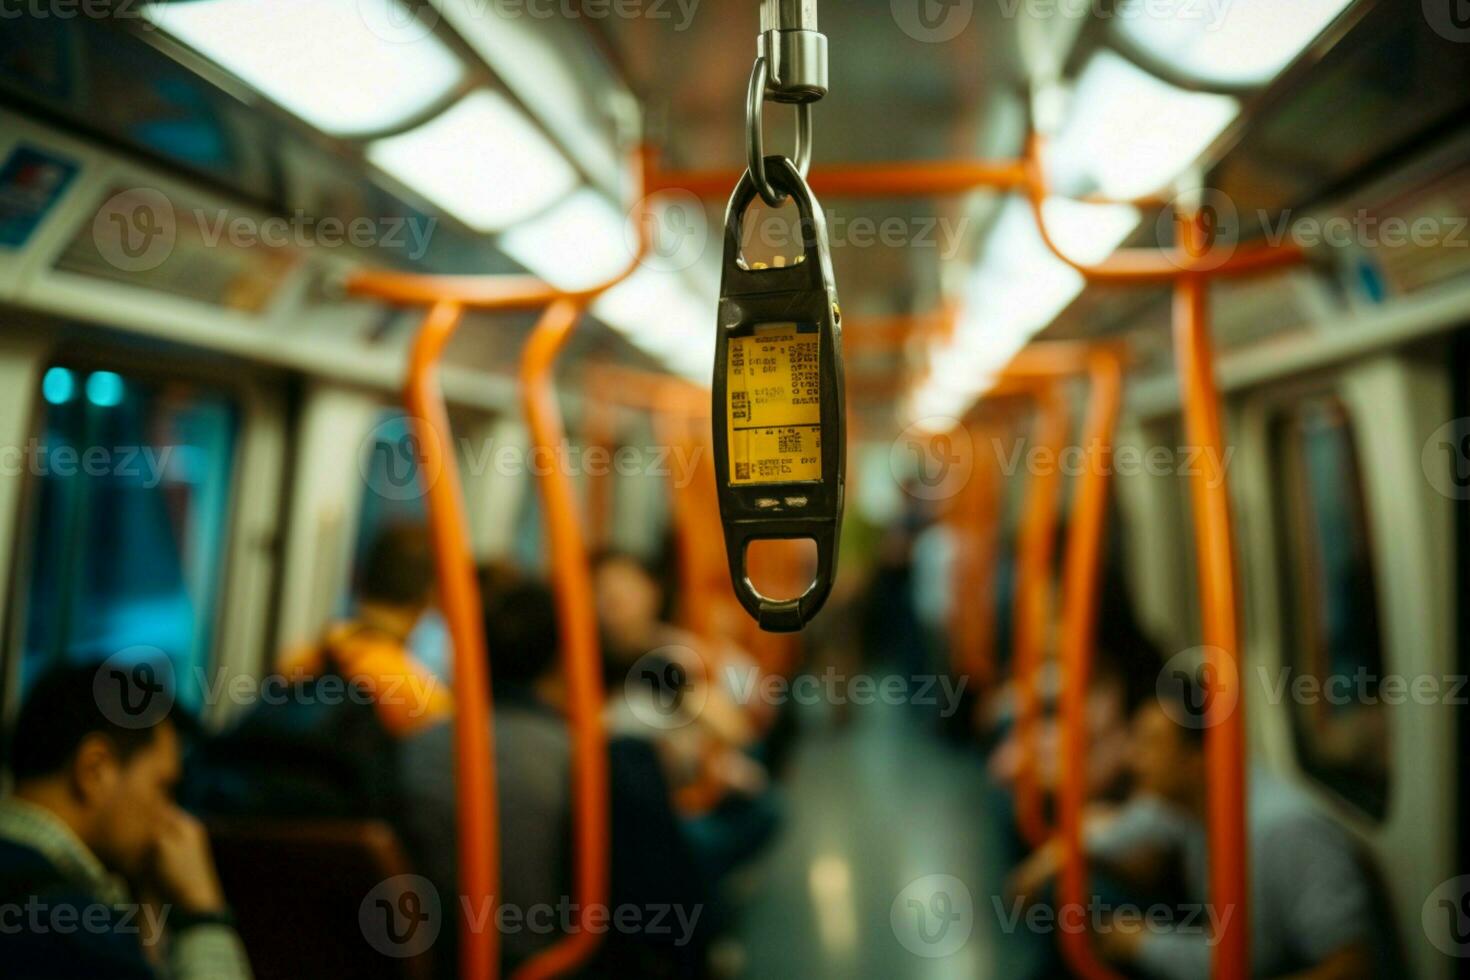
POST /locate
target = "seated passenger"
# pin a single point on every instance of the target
(650, 864)
(1310, 899)
(664, 683)
(371, 650)
(93, 811)
(660, 689)
(321, 741)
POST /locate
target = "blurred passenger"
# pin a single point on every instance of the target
(371, 650)
(91, 819)
(660, 689)
(1311, 902)
(651, 865)
(667, 684)
(321, 741)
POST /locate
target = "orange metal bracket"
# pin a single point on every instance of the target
(581, 657)
(1085, 537)
(477, 819)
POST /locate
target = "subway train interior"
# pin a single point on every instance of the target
(734, 488)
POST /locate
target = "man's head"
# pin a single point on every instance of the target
(399, 571)
(1168, 756)
(74, 752)
(521, 633)
(630, 601)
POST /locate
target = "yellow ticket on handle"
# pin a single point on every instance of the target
(775, 413)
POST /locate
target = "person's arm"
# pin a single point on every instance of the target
(1354, 962)
(1160, 955)
(1122, 842)
(204, 944)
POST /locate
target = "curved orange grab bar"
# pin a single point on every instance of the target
(1152, 265)
(581, 656)
(1225, 712)
(1079, 631)
(497, 292)
(476, 818)
(1036, 545)
(930, 178)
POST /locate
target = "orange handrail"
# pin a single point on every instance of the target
(1035, 547)
(973, 516)
(476, 816)
(1141, 266)
(495, 292)
(904, 179)
(600, 423)
(581, 656)
(1083, 568)
(1225, 714)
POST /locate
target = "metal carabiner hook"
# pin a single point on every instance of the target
(755, 140)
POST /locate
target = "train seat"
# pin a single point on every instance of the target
(297, 888)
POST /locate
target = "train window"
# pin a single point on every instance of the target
(1334, 648)
(131, 508)
(394, 492)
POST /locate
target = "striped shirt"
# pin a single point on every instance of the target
(200, 952)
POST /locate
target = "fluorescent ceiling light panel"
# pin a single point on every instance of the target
(577, 244)
(1129, 134)
(348, 67)
(546, 64)
(1017, 290)
(482, 160)
(660, 314)
(1233, 42)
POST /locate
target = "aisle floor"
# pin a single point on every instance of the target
(880, 870)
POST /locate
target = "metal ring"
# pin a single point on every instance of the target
(755, 141)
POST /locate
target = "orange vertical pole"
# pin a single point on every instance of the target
(581, 656)
(476, 817)
(1033, 603)
(974, 517)
(602, 433)
(1085, 540)
(1225, 711)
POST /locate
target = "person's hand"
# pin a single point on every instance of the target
(184, 867)
(1120, 940)
(1034, 873)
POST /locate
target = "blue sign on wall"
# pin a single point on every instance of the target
(31, 182)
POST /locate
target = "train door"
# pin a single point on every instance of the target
(1349, 599)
